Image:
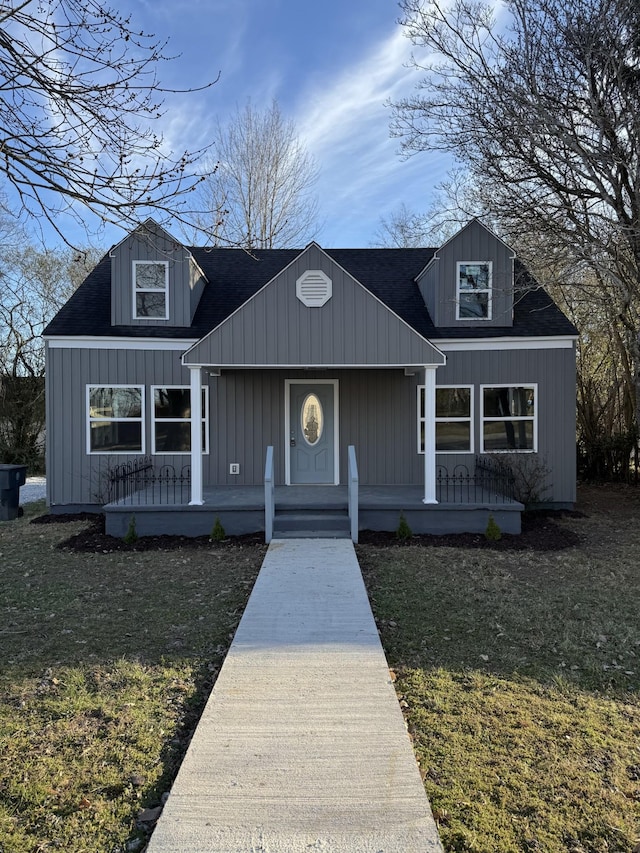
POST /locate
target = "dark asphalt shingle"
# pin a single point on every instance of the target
(235, 275)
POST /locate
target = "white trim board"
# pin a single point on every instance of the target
(153, 290)
(494, 344)
(232, 366)
(183, 344)
(154, 420)
(142, 420)
(470, 420)
(512, 418)
(153, 344)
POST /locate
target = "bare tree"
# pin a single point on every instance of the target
(545, 115)
(79, 96)
(259, 192)
(33, 286)
(403, 229)
(453, 204)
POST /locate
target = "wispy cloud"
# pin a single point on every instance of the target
(337, 109)
(345, 125)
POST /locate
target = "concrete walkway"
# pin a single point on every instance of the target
(302, 745)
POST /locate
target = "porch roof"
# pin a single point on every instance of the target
(274, 328)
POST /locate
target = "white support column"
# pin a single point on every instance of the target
(196, 437)
(429, 436)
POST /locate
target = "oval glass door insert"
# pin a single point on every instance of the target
(312, 419)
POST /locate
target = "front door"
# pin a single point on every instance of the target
(312, 439)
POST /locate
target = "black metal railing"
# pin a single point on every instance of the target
(138, 483)
(498, 474)
(487, 484)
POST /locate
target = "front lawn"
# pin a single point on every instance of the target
(519, 673)
(107, 660)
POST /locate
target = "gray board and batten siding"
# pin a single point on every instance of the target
(239, 311)
(274, 328)
(470, 245)
(377, 414)
(75, 477)
(553, 372)
(186, 279)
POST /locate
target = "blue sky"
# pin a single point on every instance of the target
(331, 65)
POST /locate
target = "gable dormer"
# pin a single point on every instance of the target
(469, 281)
(155, 280)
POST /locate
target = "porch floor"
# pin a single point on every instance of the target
(241, 509)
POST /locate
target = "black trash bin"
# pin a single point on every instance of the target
(11, 478)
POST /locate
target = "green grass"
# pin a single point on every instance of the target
(107, 660)
(519, 675)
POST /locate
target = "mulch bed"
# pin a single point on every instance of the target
(540, 532)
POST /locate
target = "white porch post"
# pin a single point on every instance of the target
(196, 437)
(429, 436)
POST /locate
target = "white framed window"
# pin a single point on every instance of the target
(151, 290)
(171, 419)
(473, 290)
(115, 419)
(509, 418)
(454, 419)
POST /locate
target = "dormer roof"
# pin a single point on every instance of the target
(471, 223)
(236, 275)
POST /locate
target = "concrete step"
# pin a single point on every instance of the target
(311, 534)
(305, 524)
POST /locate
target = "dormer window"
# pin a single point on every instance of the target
(473, 290)
(150, 290)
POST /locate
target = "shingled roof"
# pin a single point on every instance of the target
(235, 275)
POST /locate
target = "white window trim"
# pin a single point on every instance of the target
(516, 419)
(90, 420)
(488, 290)
(135, 289)
(154, 420)
(470, 420)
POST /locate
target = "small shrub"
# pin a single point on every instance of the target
(131, 535)
(218, 532)
(403, 532)
(493, 532)
(529, 475)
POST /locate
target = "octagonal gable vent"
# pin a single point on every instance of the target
(313, 288)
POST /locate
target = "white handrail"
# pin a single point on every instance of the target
(352, 488)
(269, 499)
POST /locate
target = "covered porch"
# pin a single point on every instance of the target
(464, 506)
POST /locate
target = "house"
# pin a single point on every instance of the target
(409, 375)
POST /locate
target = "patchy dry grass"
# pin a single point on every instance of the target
(520, 674)
(107, 659)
